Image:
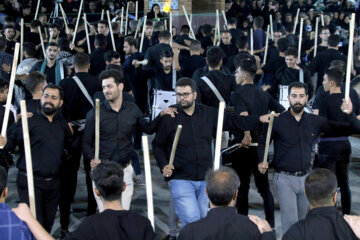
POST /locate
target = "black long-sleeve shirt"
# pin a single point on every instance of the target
(293, 139)
(321, 223)
(116, 129)
(193, 154)
(47, 140)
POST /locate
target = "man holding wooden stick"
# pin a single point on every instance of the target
(193, 156)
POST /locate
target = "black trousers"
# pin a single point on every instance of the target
(339, 164)
(244, 162)
(92, 206)
(47, 196)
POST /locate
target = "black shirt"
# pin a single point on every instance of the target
(193, 154)
(191, 64)
(153, 55)
(10, 47)
(47, 140)
(97, 62)
(223, 223)
(50, 72)
(321, 223)
(116, 225)
(32, 105)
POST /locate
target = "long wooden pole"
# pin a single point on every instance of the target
(316, 36)
(111, 30)
(149, 191)
(268, 137)
(136, 10)
(271, 28)
(122, 20)
(77, 21)
(87, 34)
(170, 27)
(296, 20)
(64, 17)
(37, 9)
(266, 44)
(219, 135)
(322, 19)
(28, 160)
(300, 37)
(126, 19)
(174, 146)
(137, 28)
(225, 20)
(10, 92)
(21, 40)
(251, 41)
(42, 42)
(216, 26)
(143, 34)
(350, 58)
(97, 129)
(189, 23)
(102, 14)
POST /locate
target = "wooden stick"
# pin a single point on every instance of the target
(268, 137)
(316, 35)
(142, 35)
(189, 23)
(137, 29)
(271, 28)
(149, 192)
(126, 19)
(322, 20)
(28, 160)
(219, 135)
(92, 27)
(42, 42)
(46, 33)
(170, 27)
(97, 128)
(191, 17)
(174, 146)
(111, 30)
(350, 57)
(165, 24)
(136, 10)
(122, 20)
(77, 21)
(251, 41)
(296, 20)
(37, 9)
(300, 37)
(218, 26)
(21, 39)
(10, 92)
(266, 44)
(87, 34)
(64, 17)
(225, 20)
(102, 14)
(216, 32)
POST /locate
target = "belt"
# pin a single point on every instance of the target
(46, 179)
(297, 174)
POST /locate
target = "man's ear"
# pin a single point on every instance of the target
(236, 195)
(5, 192)
(124, 187)
(97, 192)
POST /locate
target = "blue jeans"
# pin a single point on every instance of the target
(190, 200)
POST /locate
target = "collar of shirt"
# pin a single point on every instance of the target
(109, 108)
(43, 116)
(322, 211)
(4, 206)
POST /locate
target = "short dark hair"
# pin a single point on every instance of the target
(333, 40)
(335, 75)
(29, 48)
(35, 24)
(195, 46)
(242, 42)
(9, 26)
(149, 23)
(338, 64)
(185, 81)
(100, 40)
(243, 56)
(54, 25)
(51, 44)
(221, 185)
(117, 75)
(165, 54)
(320, 186)
(185, 29)
(159, 26)
(298, 85)
(3, 85)
(63, 44)
(283, 44)
(103, 22)
(324, 28)
(248, 66)
(259, 22)
(232, 21)
(33, 80)
(206, 29)
(108, 177)
(110, 54)
(54, 86)
(3, 43)
(289, 27)
(214, 55)
(131, 41)
(81, 60)
(291, 52)
(3, 179)
(165, 35)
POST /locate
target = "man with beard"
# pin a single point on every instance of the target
(49, 133)
(294, 132)
(54, 70)
(9, 33)
(193, 155)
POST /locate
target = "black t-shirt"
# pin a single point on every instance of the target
(191, 64)
(115, 225)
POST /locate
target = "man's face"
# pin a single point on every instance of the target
(116, 61)
(290, 61)
(288, 19)
(297, 99)
(239, 75)
(228, 6)
(166, 62)
(50, 101)
(324, 35)
(26, 11)
(149, 30)
(326, 83)
(277, 36)
(226, 38)
(185, 97)
(54, 32)
(111, 90)
(102, 29)
(43, 19)
(3, 95)
(9, 33)
(127, 48)
(92, 6)
(51, 52)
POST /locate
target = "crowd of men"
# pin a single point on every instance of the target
(61, 79)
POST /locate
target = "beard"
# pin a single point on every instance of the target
(186, 104)
(297, 107)
(48, 108)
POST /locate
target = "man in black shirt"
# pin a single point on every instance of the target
(97, 61)
(9, 33)
(249, 99)
(193, 154)
(76, 106)
(222, 221)
(115, 222)
(49, 133)
(228, 47)
(165, 77)
(323, 221)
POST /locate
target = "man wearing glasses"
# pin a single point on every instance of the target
(193, 157)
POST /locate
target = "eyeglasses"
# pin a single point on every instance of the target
(183, 95)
